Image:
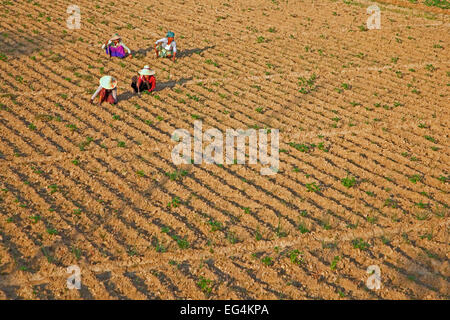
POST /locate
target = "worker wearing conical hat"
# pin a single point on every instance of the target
(166, 47)
(107, 90)
(116, 48)
(145, 81)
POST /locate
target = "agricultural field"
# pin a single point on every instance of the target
(363, 179)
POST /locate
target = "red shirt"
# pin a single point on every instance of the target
(149, 79)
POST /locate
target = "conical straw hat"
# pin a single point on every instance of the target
(115, 37)
(146, 71)
(108, 82)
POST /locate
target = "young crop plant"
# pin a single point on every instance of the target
(422, 205)
(258, 235)
(77, 253)
(414, 178)
(52, 231)
(279, 231)
(302, 147)
(427, 236)
(176, 175)
(422, 216)
(370, 193)
(346, 86)
(205, 285)
(261, 39)
(35, 218)
(363, 27)
(181, 242)
(371, 220)
(334, 263)
(174, 203)
(215, 225)
(72, 127)
(231, 237)
(85, 143)
(430, 67)
(53, 188)
(209, 61)
(268, 261)
(302, 228)
(50, 259)
(132, 251)
(246, 210)
(193, 97)
(326, 224)
(307, 85)
(140, 173)
(389, 202)
(312, 187)
(360, 244)
(348, 181)
(159, 247)
(296, 256)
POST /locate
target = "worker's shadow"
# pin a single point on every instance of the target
(125, 96)
(159, 87)
(190, 52)
(170, 84)
(180, 53)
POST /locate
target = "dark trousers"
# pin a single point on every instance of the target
(142, 87)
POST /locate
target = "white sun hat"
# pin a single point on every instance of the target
(147, 71)
(115, 37)
(108, 82)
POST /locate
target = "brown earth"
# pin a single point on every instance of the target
(367, 104)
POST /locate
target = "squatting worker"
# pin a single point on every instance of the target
(116, 48)
(107, 90)
(166, 47)
(146, 80)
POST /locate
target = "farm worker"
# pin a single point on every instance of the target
(116, 48)
(107, 90)
(166, 47)
(146, 80)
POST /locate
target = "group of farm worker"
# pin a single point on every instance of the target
(107, 90)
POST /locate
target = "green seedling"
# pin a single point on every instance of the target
(215, 225)
(205, 285)
(334, 262)
(268, 261)
(295, 256)
(348, 181)
(312, 187)
(174, 203)
(360, 244)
